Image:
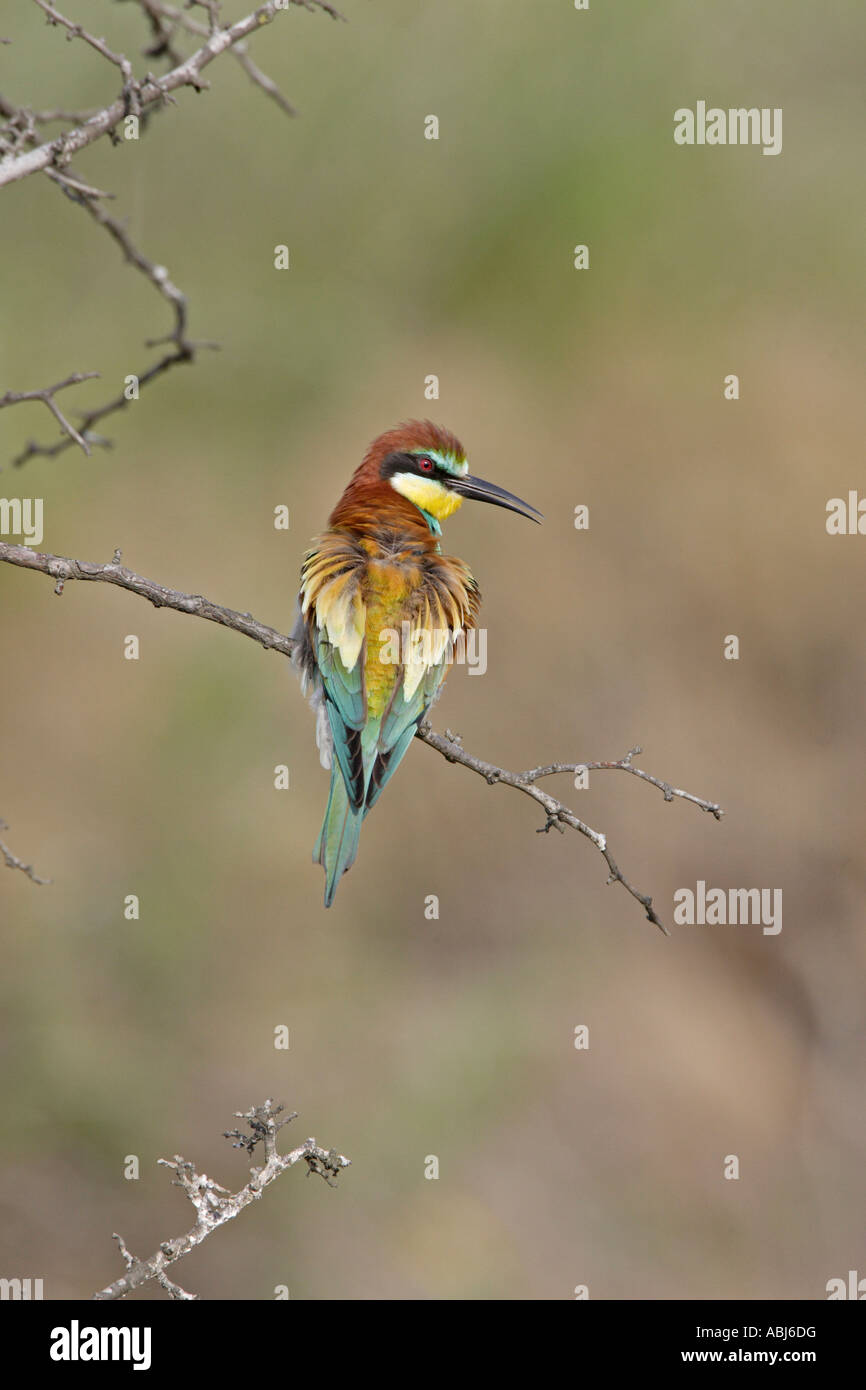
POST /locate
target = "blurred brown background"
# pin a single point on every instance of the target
(453, 1037)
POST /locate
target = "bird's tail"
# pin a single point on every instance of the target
(337, 844)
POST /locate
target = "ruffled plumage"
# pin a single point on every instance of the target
(379, 610)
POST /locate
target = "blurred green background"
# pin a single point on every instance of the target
(454, 1037)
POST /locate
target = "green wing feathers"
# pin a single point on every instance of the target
(370, 706)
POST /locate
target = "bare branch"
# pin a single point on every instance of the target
(215, 1205)
(68, 181)
(20, 131)
(63, 570)
(213, 8)
(261, 79)
(12, 862)
(166, 19)
(557, 814)
(12, 112)
(59, 113)
(21, 135)
(173, 1290)
(147, 92)
(624, 765)
(76, 31)
(46, 395)
(182, 348)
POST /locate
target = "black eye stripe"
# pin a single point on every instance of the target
(400, 462)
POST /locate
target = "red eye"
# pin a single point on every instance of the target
(426, 465)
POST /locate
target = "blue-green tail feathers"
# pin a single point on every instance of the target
(337, 844)
(364, 751)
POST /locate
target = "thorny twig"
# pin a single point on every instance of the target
(557, 814)
(167, 19)
(46, 395)
(63, 571)
(13, 862)
(23, 151)
(214, 1205)
(76, 31)
(181, 349)
(147, 91)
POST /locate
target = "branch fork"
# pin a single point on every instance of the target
(214, 1204)
(24, 151)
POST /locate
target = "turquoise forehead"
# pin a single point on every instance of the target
(450, 462)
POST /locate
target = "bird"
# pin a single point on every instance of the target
(377, 572)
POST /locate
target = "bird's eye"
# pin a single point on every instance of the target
(426, 465)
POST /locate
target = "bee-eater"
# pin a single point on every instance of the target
(376, 573)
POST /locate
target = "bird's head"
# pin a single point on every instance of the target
(427, 465)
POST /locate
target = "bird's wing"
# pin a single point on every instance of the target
(333, 618)
(399, 724)
(369, 742)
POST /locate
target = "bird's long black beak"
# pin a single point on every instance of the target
(479, 491)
